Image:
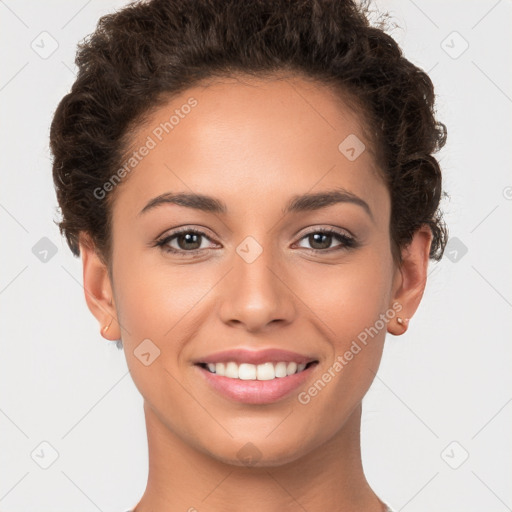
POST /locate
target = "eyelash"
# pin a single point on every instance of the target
(347, 242)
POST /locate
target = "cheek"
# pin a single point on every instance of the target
(166, 304)
(350, 302)
(348, 297)
(155, 306)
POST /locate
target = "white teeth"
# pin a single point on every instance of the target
(219, 369)
(291, 368)
(281, 370)
(231, 370)
(247, 371)
(264, 371)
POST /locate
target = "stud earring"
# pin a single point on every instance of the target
(105, 329)
(402, 321)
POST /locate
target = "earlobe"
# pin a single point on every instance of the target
(411, 279)
(98, 289)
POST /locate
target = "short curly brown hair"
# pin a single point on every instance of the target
(139, 57)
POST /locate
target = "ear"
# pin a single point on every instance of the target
(410, 279)
(98, 289)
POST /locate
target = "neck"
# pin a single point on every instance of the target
(330, 477)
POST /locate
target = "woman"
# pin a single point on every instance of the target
(290, 145)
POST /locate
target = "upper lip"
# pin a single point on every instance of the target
(243, 355)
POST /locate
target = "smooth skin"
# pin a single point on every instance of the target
(254, 145)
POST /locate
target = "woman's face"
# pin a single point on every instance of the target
(251, 269)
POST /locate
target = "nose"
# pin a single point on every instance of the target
(255, 294)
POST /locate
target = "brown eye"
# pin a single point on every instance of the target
(186, 242)
(321, 240)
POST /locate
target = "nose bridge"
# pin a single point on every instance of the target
(253, 295)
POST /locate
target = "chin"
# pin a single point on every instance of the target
(256, 454)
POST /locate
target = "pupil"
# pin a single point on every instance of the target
(188, 237)
(317, 239)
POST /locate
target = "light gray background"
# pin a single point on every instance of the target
(443, 391)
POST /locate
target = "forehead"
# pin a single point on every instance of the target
(241, 137)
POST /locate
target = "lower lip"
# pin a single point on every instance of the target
(256, 391)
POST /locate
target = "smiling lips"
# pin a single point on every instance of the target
(247, 371)
(255, 365)
(255, 377)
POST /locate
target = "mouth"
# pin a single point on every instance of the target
(253, 384)
(264, 371)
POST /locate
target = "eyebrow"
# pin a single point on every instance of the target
(298, 203)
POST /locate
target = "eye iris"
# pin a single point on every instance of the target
(316, 238)
(189, 238)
